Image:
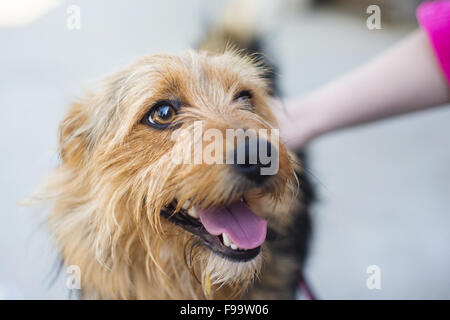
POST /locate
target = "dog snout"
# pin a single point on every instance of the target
(250, 157)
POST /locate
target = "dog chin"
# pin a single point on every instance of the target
(225, 271)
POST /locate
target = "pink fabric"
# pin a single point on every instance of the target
(434, 18)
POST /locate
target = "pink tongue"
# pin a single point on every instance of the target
(238, 222)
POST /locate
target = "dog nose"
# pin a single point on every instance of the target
(249, 159)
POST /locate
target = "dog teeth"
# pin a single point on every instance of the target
(186, 204)
(227, 242)
(193, 213)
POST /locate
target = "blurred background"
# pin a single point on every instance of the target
(384, 189)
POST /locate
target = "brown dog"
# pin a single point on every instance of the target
(141, 226)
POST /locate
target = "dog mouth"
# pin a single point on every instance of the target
(233, 231)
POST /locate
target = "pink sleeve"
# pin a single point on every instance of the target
(434, 18)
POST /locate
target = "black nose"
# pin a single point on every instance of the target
(250, 157)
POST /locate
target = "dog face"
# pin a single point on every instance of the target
(121, 149)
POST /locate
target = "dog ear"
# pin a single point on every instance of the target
(73, 134)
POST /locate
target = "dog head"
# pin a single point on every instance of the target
(164, 164)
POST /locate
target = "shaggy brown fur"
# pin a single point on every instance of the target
(116, 177)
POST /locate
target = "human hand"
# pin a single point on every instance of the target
(297, 121)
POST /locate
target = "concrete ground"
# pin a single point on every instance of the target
(384, 188)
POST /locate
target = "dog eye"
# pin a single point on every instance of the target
(243, 96)
(161, 115)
